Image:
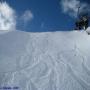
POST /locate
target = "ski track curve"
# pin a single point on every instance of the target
(45, 66)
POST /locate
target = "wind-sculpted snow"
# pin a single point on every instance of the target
(45, 61)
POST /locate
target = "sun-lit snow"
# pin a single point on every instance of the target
(45, 61)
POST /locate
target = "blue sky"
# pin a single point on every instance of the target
(47, 15)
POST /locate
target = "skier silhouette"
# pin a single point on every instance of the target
(83, 21)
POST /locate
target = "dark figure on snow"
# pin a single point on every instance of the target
(82, 23)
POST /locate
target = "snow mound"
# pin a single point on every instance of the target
(45, 61)
(88, 30)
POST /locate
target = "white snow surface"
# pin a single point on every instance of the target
(88, 30)
(45, 61)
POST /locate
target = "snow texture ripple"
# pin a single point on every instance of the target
(45, 61)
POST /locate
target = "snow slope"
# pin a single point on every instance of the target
(45, 61)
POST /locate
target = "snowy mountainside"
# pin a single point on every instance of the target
(45, 61)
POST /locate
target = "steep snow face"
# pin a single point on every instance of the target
(45, 61)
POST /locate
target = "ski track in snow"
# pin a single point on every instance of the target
(45, 61)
